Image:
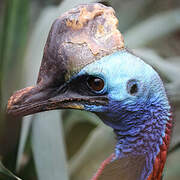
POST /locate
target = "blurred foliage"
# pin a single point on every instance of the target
(36, 146)
(6, 173)
(13, 41)
(13, 37)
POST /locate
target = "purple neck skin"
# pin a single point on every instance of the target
(139, 129)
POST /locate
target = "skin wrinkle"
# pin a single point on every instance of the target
(139, 142)
(139, 122)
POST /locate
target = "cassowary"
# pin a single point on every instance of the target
(86, 66)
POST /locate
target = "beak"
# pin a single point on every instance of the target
(71, 45)
(36, 99)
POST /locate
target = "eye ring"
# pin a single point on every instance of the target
(95, 83)
(133, 87)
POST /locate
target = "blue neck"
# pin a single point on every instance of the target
(139, 128)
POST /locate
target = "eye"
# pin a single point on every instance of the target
(95, 83)
(132, 87)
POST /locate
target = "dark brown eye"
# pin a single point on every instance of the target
(95, 83)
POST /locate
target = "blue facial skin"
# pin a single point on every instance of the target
(139, 119)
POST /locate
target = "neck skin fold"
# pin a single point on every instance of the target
(143, 131)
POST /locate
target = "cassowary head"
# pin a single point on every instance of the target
(85, 66)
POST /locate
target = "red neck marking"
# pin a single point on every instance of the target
(161, 157)
(159, 161)
(104, 163)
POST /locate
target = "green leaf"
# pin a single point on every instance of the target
(12, 45)
(153, 28)
(98, 146)
(25, 130)
(48, 146)
(6, 172)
